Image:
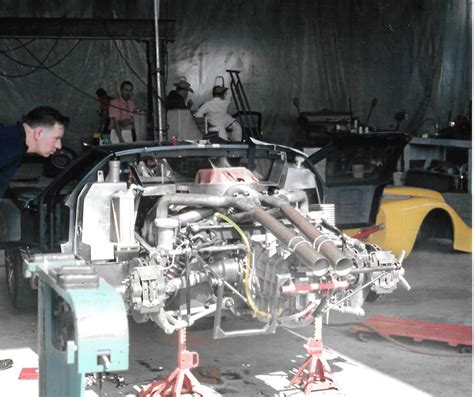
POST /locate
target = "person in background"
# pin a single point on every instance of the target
(178, 98)
(121, 112)
(216, 112)
(40, 133)
(104, 122)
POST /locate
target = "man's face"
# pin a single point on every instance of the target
(183, 93)
(126, 91)
(48, 139)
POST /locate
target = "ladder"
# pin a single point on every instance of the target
(245, 115)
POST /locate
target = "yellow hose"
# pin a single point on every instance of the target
(248, 295)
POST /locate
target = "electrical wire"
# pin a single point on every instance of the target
(44, 66)
(95, 99)
(128, 64)
(16, 48)
(245, 240)
(41, 66)
(15, 76)
(60, 78)
(41, 63)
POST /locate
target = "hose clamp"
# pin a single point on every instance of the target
(299, 240)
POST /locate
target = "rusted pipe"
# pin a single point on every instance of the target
(297, 244)
(341, 264)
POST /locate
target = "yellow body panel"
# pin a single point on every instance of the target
(402, 213)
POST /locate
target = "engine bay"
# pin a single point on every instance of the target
(193, 236)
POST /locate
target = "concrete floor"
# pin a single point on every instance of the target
(441, 291)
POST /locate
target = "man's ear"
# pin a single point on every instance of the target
(37, 133)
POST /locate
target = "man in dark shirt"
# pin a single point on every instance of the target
(176, 99)
(104, 104)
(41, 132)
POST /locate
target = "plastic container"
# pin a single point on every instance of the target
(399, 178)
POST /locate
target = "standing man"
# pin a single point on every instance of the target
(121, 114)
(216, 112)
(178, 98)
(40, 133)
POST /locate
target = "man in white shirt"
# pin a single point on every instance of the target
(216, 112)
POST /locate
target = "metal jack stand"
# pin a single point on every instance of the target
(181, 379)
(318, 375)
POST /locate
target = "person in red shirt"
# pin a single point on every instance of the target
(121, 112)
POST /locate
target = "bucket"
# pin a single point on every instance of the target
(358, 171)
(399, 178)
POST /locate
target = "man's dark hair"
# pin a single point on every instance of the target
(124, 83)
(101, 92)
(45, 116)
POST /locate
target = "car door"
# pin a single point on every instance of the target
(355, 169)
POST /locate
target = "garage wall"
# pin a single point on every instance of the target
(412, 54)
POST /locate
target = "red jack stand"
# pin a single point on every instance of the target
(318, 376)
(181, 379)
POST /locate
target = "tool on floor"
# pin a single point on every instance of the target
(318, 375)
(453, 335)
(181, 379)
(5, 364)
(29, 374)
(117, 380)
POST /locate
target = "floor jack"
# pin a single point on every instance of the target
(315, 373)
(453, 335)
(181, 380)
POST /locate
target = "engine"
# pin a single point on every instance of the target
(228, 241)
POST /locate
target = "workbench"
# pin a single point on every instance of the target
(429, 149)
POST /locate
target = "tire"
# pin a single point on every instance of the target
(363, 337)
(58, 161)
(20, 293)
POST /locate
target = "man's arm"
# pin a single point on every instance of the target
(201, 111)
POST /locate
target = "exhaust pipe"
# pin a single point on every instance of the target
(341, 264)
(298, 244)
(302, 249)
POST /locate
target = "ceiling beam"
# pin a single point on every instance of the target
(85, 28)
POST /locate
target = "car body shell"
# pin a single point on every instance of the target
(401, 216)
(393, 223)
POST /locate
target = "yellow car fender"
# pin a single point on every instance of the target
(401, 215)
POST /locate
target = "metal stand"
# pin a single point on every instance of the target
(82, 324)
(181, 379)
(318, 375)
(245, 115)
